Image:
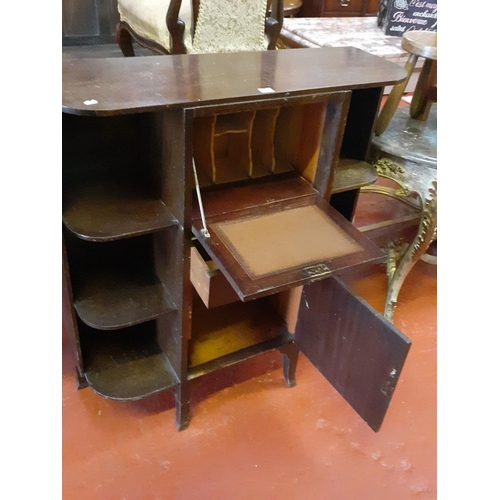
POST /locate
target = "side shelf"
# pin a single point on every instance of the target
(104, 212)
(123, 252)
(126, 364)
(352, 174)
(111, 183)
(114, 284)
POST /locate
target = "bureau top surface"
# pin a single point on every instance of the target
(138, 84)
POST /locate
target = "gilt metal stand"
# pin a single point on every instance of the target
(406, 154)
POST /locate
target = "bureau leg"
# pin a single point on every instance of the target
(182, 400)
(81, 381)
(290, 357)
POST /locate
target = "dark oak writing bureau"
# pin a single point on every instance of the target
(150, 300)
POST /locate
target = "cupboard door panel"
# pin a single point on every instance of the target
(355, 348)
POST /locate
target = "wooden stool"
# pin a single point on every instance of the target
(292, 7)
(418, 44)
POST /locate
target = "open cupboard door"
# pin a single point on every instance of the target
(355, 348)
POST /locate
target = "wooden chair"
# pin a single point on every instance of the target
(199, 26)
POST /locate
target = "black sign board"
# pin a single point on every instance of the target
(397, 16)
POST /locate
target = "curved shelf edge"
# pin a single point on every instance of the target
(352, 174)
(108, 220)
(127, 365)
(121, 306)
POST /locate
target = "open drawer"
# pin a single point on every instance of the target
(277, 234)
(211, 285)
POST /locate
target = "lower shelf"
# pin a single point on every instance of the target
(238, 356)
(126, 364)
(225, 335)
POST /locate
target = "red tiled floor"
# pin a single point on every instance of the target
(251, 437)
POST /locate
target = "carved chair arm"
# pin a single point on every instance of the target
(176, 28)
(274, 23)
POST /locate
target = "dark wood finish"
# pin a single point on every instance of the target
(108, 302)
(110, 187)
(127, 364)
(338, 8)
(123, 86)
(70, 320)
(114, 284)
(274, 23)
(363, 363)
(126, 36)
(138, 141)
(290, 357)
(359, 127)
(356, 143)
(101, 213)
(221, 200)
(176, 26)
(332, 136)
(173, 134)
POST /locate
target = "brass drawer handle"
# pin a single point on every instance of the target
(345, 3)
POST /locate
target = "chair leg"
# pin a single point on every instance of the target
(124, 40)
(394, 98)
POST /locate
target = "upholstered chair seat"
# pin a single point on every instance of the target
(148, 20)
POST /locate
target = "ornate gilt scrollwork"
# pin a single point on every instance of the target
(401, 256)
(394, 171)
(394, 251)
(390, 169)
(428, 225)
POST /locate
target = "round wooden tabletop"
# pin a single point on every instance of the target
(420, 43)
